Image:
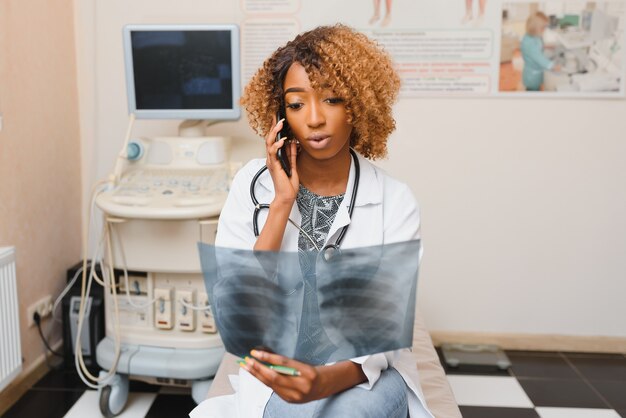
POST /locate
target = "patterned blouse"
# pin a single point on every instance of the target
(318, 212)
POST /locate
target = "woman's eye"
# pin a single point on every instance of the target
(334, 100)
(294, 105)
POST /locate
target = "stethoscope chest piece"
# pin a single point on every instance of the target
(330, 252)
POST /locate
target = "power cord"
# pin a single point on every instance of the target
(37, 320)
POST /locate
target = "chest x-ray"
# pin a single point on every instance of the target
(360, 302)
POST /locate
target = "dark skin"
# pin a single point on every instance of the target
(319, 123)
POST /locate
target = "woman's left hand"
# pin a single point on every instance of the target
(306, 387)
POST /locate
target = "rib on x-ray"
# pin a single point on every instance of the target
(360, 302)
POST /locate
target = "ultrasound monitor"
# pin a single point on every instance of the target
(603, 26)
(182, 71)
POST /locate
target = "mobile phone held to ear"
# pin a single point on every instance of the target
(282, 151)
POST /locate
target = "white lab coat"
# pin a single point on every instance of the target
(385, 212)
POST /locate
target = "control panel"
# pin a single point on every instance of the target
(168, 194)
(170, 178)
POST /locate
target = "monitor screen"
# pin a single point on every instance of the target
(602, 26)
(182, 72)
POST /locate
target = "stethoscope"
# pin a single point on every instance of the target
(329, 250)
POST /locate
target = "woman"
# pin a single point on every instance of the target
(531, 47)
(335, 88)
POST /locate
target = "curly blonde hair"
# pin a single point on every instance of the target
(344, 61)
(535, 22)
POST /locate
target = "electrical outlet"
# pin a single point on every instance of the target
(43, 306)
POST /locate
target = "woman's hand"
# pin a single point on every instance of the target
(306, 387)
(313, 382)
(286, 188)
(285, 192)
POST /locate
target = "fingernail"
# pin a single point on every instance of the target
(280, 121)
(255, 353)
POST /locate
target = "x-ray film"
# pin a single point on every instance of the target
(359, 302)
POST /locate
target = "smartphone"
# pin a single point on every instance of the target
(282, 151)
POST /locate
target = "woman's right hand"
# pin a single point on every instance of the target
(286, 188)
(285, 191)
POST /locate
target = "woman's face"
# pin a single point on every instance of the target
(317, 119)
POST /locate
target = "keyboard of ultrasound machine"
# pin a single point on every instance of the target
(172, 188)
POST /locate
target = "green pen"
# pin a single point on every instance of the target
(289, 371)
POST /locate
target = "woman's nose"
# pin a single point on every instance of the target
(315, 116)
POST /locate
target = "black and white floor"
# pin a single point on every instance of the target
(546, 385)
(539, 384)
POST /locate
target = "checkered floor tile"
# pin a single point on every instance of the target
(537, 385)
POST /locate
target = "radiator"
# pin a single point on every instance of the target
(10, 349)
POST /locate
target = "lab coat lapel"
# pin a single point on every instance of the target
(369, 192)
(290, 241)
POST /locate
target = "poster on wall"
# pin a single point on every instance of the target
(562, 48)
(465, 48)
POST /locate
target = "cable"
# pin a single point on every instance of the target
(188, 305)
(64, 292)
(106, 184)
(305, 234)
(123, 154)
(81, 368)
(87, 280)
(80, 269)
(140, 307)
(37, 320)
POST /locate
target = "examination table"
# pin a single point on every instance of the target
(437, 392)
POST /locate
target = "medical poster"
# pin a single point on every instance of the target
(465, 48)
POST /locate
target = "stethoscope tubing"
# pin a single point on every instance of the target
(257, 206)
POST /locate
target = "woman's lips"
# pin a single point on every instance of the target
(318, 140)
(317, 137)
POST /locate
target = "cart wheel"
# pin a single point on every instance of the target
(105, 396)
(113, 396)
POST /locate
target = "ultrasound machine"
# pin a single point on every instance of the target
(164, 195)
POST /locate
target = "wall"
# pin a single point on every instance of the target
(523, 201)
(39, 152)
(523, 206)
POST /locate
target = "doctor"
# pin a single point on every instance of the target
(335, 88)
(531, 47)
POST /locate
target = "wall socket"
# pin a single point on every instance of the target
(43, 306)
